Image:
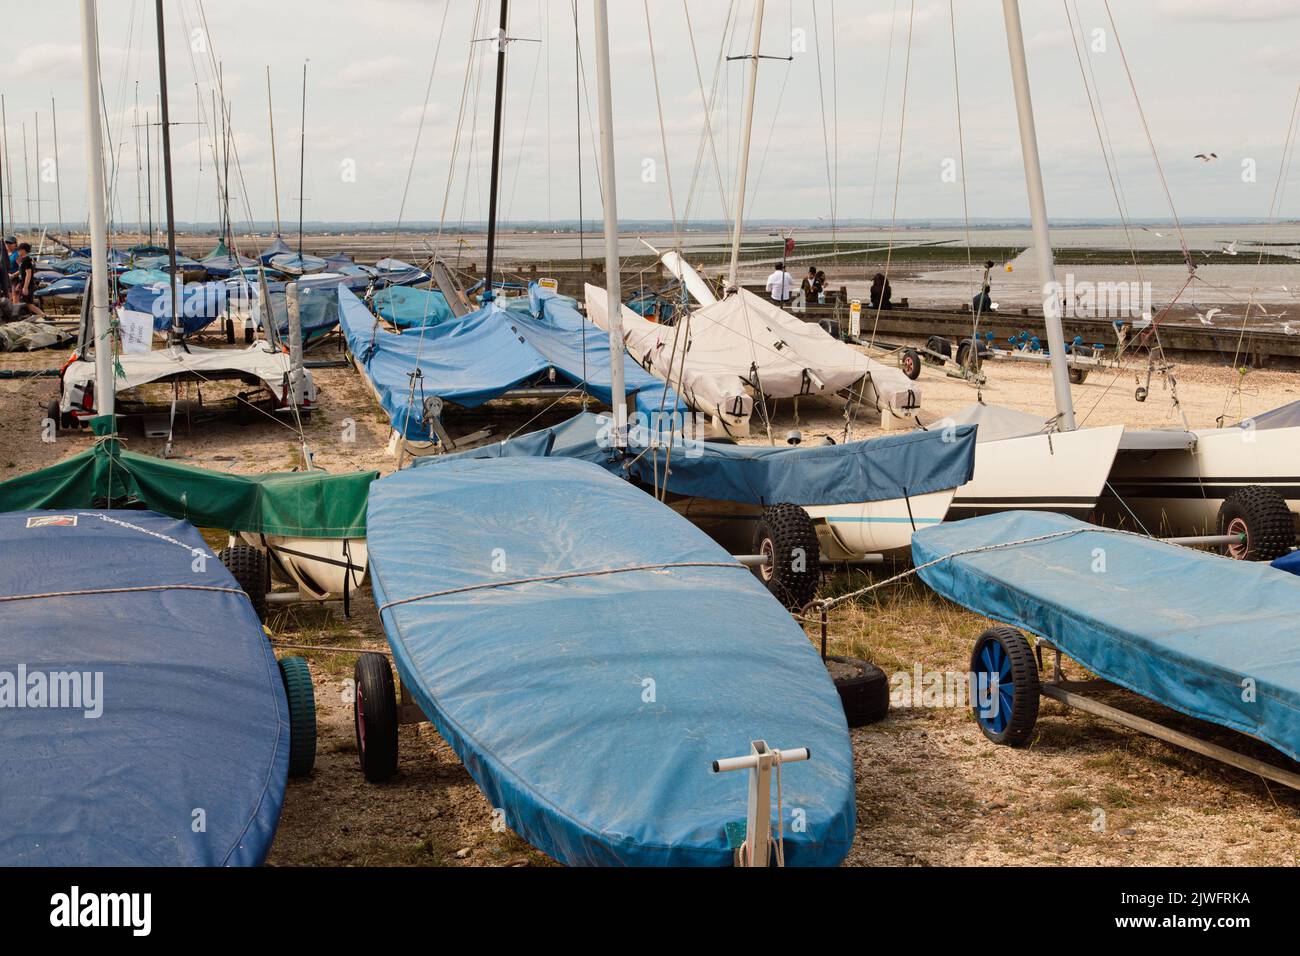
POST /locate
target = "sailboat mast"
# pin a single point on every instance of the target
(177, 327)
(746, 130)
(275, 176)
(58, 170)
(302, 161)
(9, 169)
(488, 293)
(1052, 306)
(105, 392)
(613, 278)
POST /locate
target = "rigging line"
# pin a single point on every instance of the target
(880, 133)
(523, 135)
(771, 132)
(821, 98)
(898, 168)
(708, 103)
(1137, 99)
(419, 129)
(663, 132)
(1103, 134)
(1279, 187)
(961, 153)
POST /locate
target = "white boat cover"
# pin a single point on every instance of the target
(694, 282)
(258, 361)
(744, 340)
(996, 422)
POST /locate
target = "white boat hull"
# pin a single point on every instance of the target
(1064, 472)
(323, 569)
(1179, 492)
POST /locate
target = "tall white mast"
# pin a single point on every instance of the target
(1038, 214)
(105, 384)
(613, 280)
(746, 130)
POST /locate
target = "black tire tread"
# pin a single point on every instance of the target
(1270, 526)
(247, 565)
(1024, 674)
(374, 677)
(302, 715)
(789, 527)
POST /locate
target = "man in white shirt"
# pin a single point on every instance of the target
(780, 286)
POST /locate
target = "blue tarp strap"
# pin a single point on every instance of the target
(568, 575)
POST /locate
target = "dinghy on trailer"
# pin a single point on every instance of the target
(840, 502)
(168, 702)
(590, 673)
(1203, 635)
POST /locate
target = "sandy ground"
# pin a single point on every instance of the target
(931, 790)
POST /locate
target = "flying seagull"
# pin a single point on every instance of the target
(1206, 157)
(1230, 249)
(1208, 317)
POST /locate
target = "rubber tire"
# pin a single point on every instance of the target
(249, 567)
(1140, 394)
(911, 364)
(230, 331)
(939, 345)
(786, 529)
(1025, 686)
(963, 351)
(53, 414)
(1078, 376)
(1270, 526)
(250, 335)
(302, 715)
(375, 704)
(866, 698)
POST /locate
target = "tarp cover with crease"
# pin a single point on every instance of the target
(878, 469)
(542, 687)
(192, 707)
(300, 504)
(1185, 628)
(477, 358)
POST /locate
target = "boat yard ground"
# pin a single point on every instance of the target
(931, 789)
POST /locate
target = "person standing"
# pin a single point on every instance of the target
(881, 292)
(24, 284)
(780, 286)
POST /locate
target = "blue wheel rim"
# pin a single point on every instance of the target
(993, 659)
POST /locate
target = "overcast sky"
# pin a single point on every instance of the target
(1213, 76)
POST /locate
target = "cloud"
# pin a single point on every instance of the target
(1229, 11)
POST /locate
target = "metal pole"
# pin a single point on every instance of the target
(488, 293)
(27, 179)
(1038, 213)
(293, 306)
(139, 185)
(178, 329)
(58, 170)
(302, 160)
(105, 384)
(39, 163)
(746, 130)
(9, 169)
(613, 279)
(275, 176)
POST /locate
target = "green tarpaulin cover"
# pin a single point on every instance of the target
(295, 504)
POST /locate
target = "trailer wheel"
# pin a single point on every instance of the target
(248, 566)
(911, 364)
(53, 414)
(1140, 394)
(302, 715)
(1078, 376)
(967, 352)
(1009, 717)
(787, 536)
(375, 713)
(939, 345)
(864, 695)
(230, 331)
(1260, 515)
(249, 335)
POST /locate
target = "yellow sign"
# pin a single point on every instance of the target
(855, 318)
(552, 285)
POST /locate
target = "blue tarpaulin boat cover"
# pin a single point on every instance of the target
(878, 469)
(201, 303)
(1187, 629)
(589, 707)
(408, 308)
(481, 356)
(192, 709)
